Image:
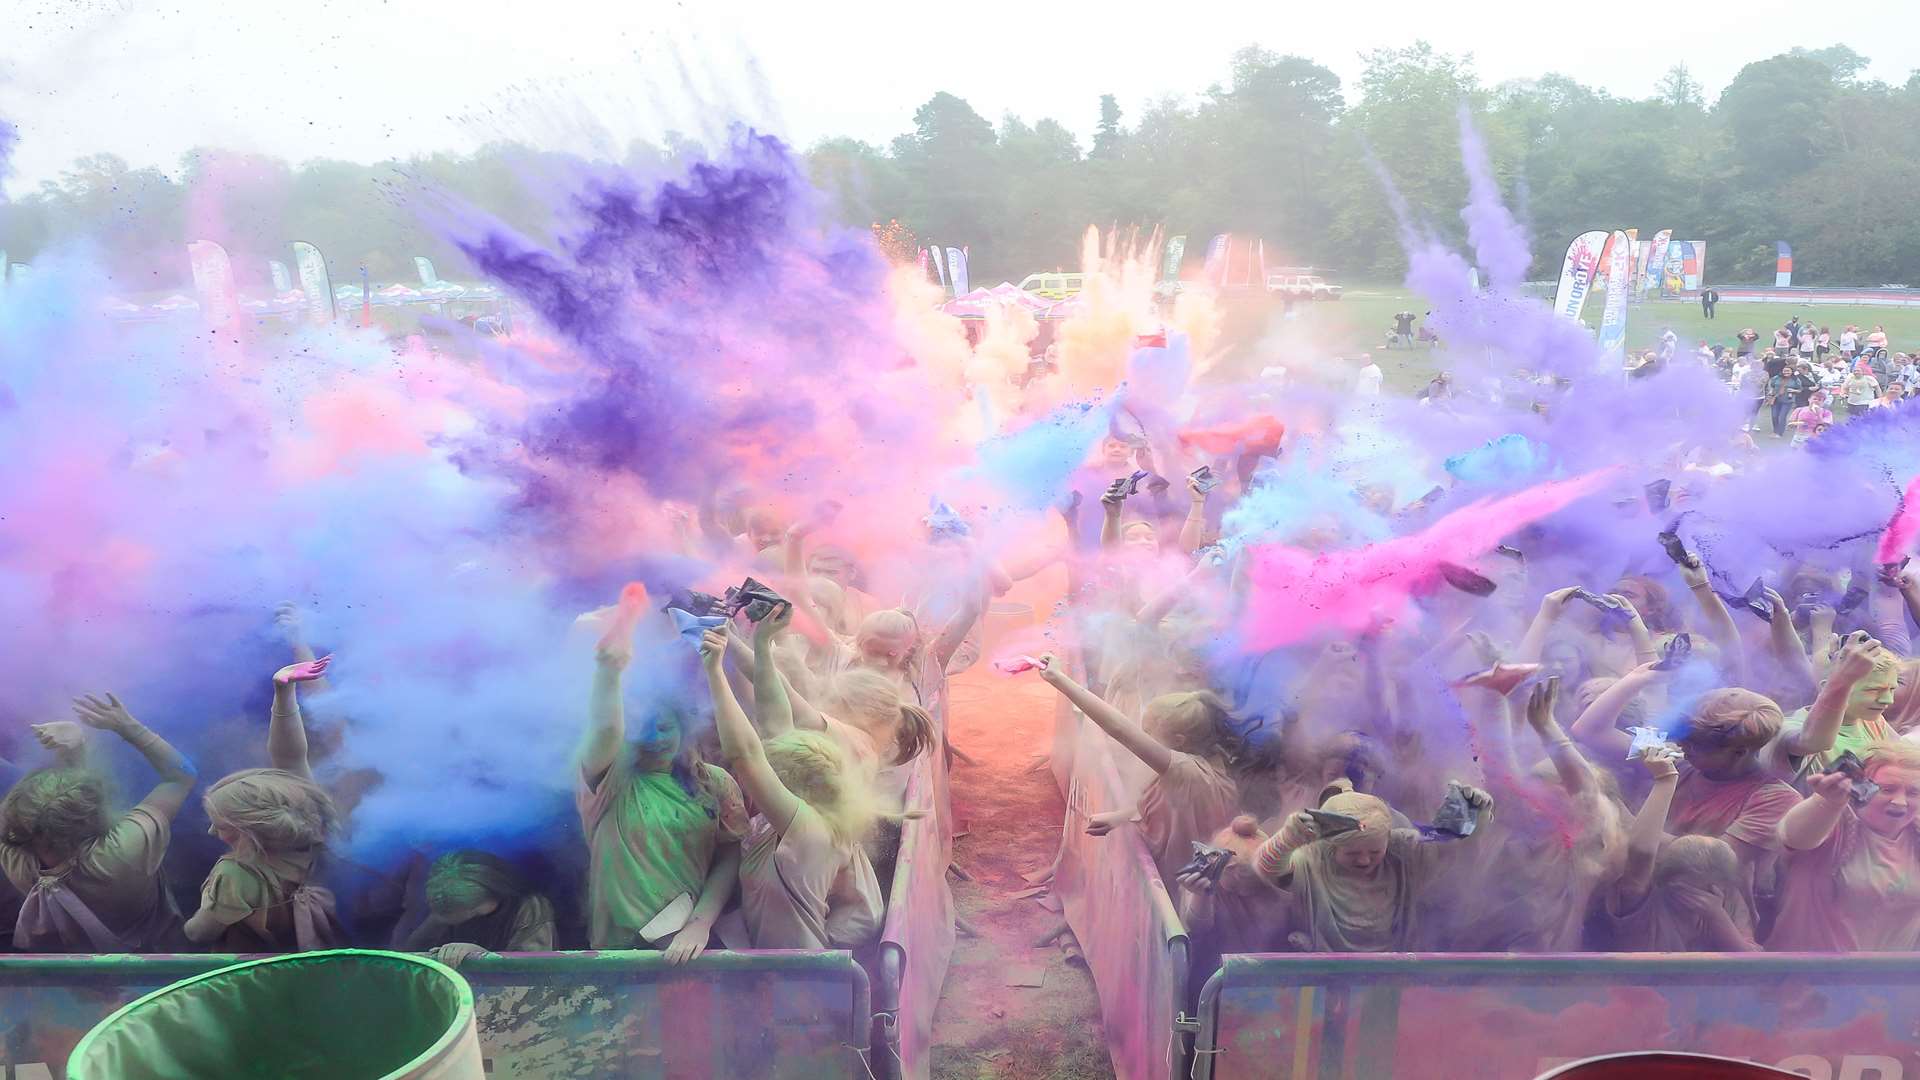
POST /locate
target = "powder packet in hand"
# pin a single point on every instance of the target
(1014, 665)
(1455, 820)
(1327, 823)
(1644, 739)
(1207, 864)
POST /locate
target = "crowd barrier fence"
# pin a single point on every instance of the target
(1121, 914)
(587, 1015)
(917, 940)
(1314, 1016)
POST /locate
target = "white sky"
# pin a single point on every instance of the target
(371, 79)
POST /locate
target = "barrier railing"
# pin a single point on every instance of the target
(1446, 1016)
(1120, 912)
(799, 1015)
(917, 941)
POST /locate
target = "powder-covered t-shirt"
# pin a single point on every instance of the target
(648, 841)
(117, 878)
(1858, 892)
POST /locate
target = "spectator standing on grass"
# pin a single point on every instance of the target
(1369, 379)
(1823, 343)
(1783, 341)
(1808, 336)
(1862, 390)
(1708, 298)
(1849, 340)
(1746, 337)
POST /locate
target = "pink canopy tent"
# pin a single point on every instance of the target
(976, 304)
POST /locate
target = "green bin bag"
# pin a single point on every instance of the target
(346, 1014)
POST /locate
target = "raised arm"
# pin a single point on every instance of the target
(1784, 642)
(177, 774)
(1111, 505)
(770, 700)
(1719, 621)
(286, 730)
(740, 743)
(1649, 826)
(1887, 616)
(1812, 820)
(1829, 709)
(1598, 725)
(1535, 639)
(1575, 774)
(1193, 531)
(954, 634)
(606, 716)
(1121, 727)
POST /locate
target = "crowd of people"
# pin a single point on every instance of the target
(1809, 378)
(1529, 764)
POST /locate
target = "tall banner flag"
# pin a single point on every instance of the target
(1783, 264)
(1673, 275)
(1576, 274)
(213, 280)
(1176, 251)
(1613, 321)
(282, 283)
(1216, 258)
(1633, 255)
(424, 267)
(957, 270)
(939, 263)
(314, 281)
(1693, 264)
(1656, 261)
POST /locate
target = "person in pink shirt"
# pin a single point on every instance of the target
(1807, 418)
(1850, 875)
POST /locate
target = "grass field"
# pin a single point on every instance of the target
(1359, 322)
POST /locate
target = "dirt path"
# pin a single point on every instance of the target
(986, 1028)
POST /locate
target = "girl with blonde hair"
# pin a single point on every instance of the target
(264, 895)
(1357, 890)
(805, 880)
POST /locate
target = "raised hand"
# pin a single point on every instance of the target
(286, 616)
(1502, 679)
(1540, 703)
(1662, 762)
(1856, 657)
(108, 715)
(61, 737)
(1832, 786)
(713, 649)
(1116, 494)
(778, 619)
(303, 671)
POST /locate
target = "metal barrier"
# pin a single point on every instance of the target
(1445, 1016)
(800, 1015)
(917, 941)
(1126, 924)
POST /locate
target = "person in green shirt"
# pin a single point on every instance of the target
(661, 823)
(1848, 714)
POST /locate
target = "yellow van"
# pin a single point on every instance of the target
(1054, 286)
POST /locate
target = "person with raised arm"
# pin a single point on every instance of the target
(1675, 894)
(1357, 888)
(1849, 714)
(1181, 739)
(91, 881)
(1850, 872)
(805, 880)
(264, 894)
(663, 826)
(1725, 789)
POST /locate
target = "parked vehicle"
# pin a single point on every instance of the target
(1302, 286)
(1054, 286)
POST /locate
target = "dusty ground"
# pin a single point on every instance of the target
(986, 1029)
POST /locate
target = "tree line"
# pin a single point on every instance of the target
(1798, 147)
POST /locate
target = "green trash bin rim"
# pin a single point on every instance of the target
(462, 1013)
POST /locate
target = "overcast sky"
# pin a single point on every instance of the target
(372, 79)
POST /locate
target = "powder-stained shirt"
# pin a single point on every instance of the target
(1191, 801)
(800, 890)
(1747, 808)
(1858, 892)
(269, 903)
(648, 841)
(116, 877)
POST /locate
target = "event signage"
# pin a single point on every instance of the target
(1576, 274)
(213, 280)
(282, 281)
(314, 281)
(424, 267)
(1656, 262)
(1613, 320)
(957, 270)
(1176, 250)
(1782, 264)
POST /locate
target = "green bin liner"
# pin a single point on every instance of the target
(345, 1014)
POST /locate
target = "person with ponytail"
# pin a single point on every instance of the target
(264, 894)
(663, 826)
(479, 904)
(1182, 739)
(805, 880)
(92, 882)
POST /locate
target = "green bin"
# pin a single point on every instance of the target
(346, 1014)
